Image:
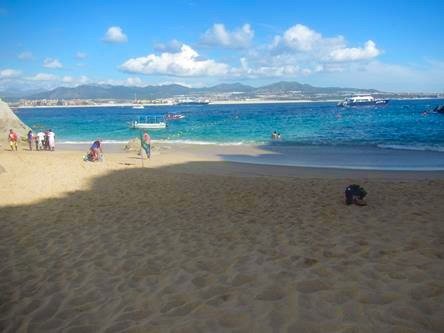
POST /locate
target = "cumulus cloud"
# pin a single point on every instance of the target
(25, 55)
(185, 62)
(218, 35)
(9, 73)
(299, 37)
(301, 41)
(81, 55)
(355, 53)
(115, 35)
(52, 63)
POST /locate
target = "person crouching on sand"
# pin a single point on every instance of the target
(12, 138)
(96, 151)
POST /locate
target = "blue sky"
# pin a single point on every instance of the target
(388, 45)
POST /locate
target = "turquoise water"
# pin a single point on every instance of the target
(401, 124)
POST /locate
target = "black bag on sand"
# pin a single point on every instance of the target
(355, 194)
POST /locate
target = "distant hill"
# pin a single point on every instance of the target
(174, 90)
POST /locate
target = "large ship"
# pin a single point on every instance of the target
(364, 100)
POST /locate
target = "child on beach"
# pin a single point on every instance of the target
(12, 138)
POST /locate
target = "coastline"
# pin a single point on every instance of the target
(225, 102)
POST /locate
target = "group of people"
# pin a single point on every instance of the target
(42, 140)
(275, 136)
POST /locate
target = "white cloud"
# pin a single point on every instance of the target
(115, 35)
(43, 77)
(81, 55)
(134, 82)
(300, 37)
(185, 62)
(9, 73)
(220, 36)
(355, 53)
(52, 63)
(67, 79)
(25, 56)
(305, 43)
(73, 81)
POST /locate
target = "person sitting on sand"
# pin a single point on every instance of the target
(12, 138)
(95, 151)
(274, 135)
(30, 139)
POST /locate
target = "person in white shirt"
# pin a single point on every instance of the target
(40, 139)
(51, 140)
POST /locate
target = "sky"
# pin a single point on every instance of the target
(388, 45)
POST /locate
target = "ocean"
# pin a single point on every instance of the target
(407, 125)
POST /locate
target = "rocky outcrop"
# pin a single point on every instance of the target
(132, 145)
(9, 120)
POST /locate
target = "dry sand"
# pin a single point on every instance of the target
(187, 245)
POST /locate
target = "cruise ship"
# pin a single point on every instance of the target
(364, 100)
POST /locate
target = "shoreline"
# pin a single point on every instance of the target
(322, 157)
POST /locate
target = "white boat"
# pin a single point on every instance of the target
(174, 116)
(153, 122)
(137, 105)
(363, 100)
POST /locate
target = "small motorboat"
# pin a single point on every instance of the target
(174, 116)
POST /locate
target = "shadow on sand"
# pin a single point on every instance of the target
(162, 249)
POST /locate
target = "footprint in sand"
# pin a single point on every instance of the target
(232, 320)
(241, 279)
(271, 294)
(311, 286)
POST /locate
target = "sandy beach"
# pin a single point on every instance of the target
(191, 243)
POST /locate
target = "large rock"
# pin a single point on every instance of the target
(9, 120)
(132, 145)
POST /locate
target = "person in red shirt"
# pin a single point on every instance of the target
(12, 138)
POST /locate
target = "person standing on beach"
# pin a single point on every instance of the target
(30, 138)
(51, 140)
(146, 144)
(12, 138)
(40, 140)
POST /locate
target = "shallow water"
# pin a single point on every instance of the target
(322, 128)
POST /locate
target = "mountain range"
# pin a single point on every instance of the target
(104, 91)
